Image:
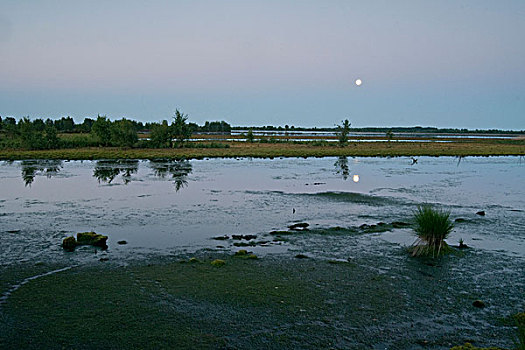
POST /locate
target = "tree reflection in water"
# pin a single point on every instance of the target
(341, 166)
(31, 168)
(107, 170)
(176, 169)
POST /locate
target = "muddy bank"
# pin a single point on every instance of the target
(273, 302)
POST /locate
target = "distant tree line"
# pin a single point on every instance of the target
(383, 130)
(44, 134)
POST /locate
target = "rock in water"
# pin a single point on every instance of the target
(301, 256)
(481, 213)
(69, 243)
(299, 226)
(478, 303)
(92, 238)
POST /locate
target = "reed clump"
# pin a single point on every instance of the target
(432, 228)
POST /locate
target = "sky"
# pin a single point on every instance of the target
(447, 63)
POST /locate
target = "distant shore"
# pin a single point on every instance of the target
(285, 149)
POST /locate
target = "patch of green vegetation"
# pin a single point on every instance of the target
(218, 263)
(197, 306)
(432, 227)
(91, 238)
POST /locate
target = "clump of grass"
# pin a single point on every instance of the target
(520, 323)
(432, 228)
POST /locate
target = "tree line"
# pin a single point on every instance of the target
(44, 134)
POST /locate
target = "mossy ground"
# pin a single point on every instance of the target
(274, 302)
(256, 303)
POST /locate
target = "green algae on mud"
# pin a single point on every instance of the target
(257, 303)
(243, 149)
(276, 302)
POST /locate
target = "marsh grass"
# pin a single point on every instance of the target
(432, 228)
(243, 149)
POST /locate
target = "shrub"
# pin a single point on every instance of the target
(250, 137)
(432, 227)
(342, 132)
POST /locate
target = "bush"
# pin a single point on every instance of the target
(432, 228)
(123, 133)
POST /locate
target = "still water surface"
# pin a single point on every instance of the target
(173, 206)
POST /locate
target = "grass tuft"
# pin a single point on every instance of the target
(432, 228)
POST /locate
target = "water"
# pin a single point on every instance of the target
(165, 207)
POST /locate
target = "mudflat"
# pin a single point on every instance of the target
(276, 302)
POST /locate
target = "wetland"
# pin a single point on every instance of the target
(344, 279)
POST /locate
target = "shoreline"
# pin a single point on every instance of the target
(269, 150)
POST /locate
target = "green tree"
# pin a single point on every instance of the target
(30, 137)
(249, 136)
(102, 130)
(50, 138)
(65, 124)
(123, 133)
(86, 125)
(160, 135)
(180, 128)
(342, 132)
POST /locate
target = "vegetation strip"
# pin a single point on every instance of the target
(241, 149)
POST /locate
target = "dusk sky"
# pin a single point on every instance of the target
(429, 63)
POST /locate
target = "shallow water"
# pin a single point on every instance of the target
(168, 207)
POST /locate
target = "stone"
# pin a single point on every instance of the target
(69, 243)
(301, 256)
(481, 213)
(479, 304)
(221, 238)
(92, 238)
(246, 237)
(299, 226)
(400, 224)
(244, 244)
(279, 233)
(122, 242)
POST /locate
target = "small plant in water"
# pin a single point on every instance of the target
(432, 228)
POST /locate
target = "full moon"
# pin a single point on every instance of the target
(358, 82)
